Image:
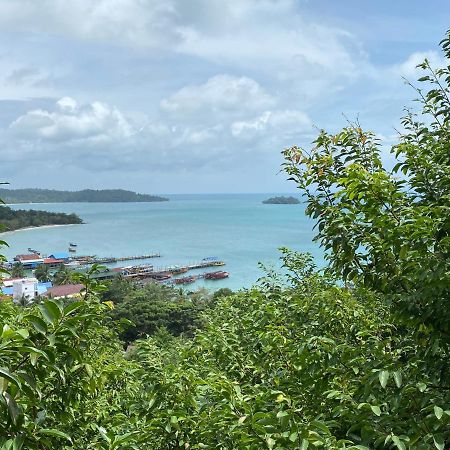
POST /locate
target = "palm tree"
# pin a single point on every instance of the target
(42, 273)
(17, 270)
(62, 276)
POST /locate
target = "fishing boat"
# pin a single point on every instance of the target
(185, 280)
(218, 275)
(177, 270)
(161, 276)
(73, 245)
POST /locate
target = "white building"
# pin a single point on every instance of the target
(26, 288)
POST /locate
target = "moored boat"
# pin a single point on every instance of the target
(185, 280)
(218, 275)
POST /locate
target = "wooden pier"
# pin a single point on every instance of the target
(112, 259)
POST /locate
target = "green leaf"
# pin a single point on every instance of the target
(439, 441)
(305, 444)
(398, 378)
(56, 433)
(50, 312)
(72, 307)
(438, 412)
(4, 373)
(14, 409)
(376, 410)
(398, 443)
(383, 376)
(37, 323)
(421, 386)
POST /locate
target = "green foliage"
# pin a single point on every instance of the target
(15, 219)
(87, 195)
(309, 365)
(42, 273)
(222, 292)
(58, 369)
(390, 231)
(144, 310)
(61, 276)
(17, 270)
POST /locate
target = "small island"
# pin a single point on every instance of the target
(11, 220)
(84, 196)
(282, 201)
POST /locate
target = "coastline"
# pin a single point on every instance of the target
(3, 233)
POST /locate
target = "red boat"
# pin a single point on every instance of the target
(161, 276)
(218, 275)
(185, 280)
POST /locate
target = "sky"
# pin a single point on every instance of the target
(198, 96)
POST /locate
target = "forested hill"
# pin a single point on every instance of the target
(13, 220)
(86, 195)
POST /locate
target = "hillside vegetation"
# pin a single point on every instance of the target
(86, 195)
(11, 219)
(355, 357)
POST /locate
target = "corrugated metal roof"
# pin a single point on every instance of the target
(28, 257)
(60, 255)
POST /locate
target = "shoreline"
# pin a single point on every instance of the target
(3, 233)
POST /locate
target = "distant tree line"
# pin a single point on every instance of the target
(84, 196)
(14, 220)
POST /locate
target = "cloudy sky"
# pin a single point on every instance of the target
(187, 96)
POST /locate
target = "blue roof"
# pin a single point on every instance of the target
(44, 287)
(60, 255)
(7, 290)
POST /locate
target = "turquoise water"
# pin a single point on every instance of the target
(238, 229)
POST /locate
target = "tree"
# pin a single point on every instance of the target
(18, 270)
(142, 311)
(42, 273)
(388, 230)
(62, 276)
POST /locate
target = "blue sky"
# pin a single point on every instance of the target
(197, 95)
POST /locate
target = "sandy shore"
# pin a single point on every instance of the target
(38, 228)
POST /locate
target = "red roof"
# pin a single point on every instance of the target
(64, 290)
(53, 261)
(29, 257)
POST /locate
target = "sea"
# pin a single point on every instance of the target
(235, 228)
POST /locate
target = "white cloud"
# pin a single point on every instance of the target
(146, 23)
(283, 124)
(220, 94)
(69, 121)
(409, 69)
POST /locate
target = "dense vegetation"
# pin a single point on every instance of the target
(142, 311)
(87, 195)
(355, 358)
(15, 219)
(281, 201)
